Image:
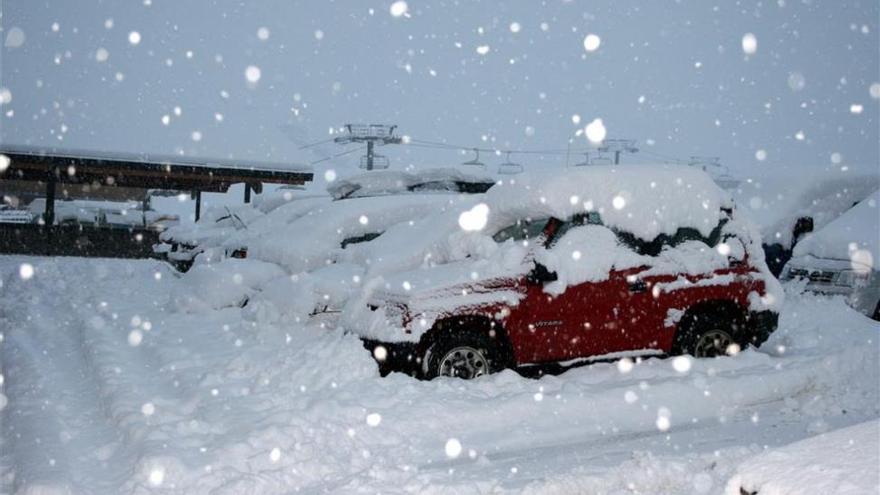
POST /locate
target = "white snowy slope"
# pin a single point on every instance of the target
(105, 389)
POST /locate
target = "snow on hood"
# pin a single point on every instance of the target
(385, 182)
(854, 236)
(217, 223)
(776, 202)
(274, 220)
(421, 242)
(645, 200)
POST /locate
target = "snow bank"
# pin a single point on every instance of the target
(841, 462)
(776, 202)
(220, 285)
(293, 298)
(854, 236)
(212, 403)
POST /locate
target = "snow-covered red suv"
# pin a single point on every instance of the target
(599, 263)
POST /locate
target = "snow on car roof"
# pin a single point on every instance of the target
(385, 182)
(407, 245)
(275, 219)
(775, 202)
(852, 236)
(645, 200)
(307, 242)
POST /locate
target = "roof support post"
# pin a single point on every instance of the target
(198, 195)
(49, 214)
(247, 193)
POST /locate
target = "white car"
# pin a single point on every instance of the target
(787, 207)
(841, 258)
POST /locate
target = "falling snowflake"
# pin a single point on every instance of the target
(252, 73)
(399, 8)
(453, 448)
(25, 270)
(592, 42)
(474, 219)
(596, 131)
(749, 44)
(373, 419)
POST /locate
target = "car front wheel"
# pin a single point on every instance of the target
(465, 355)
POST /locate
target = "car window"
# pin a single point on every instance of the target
(684, 234)
(522, 230)
(579, 220)
(359, 239)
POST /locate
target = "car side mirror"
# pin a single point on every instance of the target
(540, 274)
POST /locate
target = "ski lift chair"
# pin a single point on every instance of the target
(509, 167)
(476, 161)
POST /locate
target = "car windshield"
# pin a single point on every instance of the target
(524, 230)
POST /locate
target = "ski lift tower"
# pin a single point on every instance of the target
(372, 134)
(618, 146)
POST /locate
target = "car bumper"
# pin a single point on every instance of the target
(759, 325)
(396, 356)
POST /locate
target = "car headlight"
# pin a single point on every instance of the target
(852, 278)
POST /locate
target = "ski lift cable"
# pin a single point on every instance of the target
(436, 145)
(337, 155)
(316, 143)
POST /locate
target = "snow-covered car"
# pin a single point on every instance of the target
(181, 243)
(312, 248)
(459, 179)
(840, 259)
(787, 207)
(415, 236)
(590, 264)
(8, 214)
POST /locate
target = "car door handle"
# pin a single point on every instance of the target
(638, 286)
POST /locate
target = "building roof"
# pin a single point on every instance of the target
(144, 170)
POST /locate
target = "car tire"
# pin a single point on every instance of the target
(462, 354)
(708, 334)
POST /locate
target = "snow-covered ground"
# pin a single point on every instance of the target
(108, 388)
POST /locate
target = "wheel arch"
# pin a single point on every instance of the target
(470, 323)
(713, 308)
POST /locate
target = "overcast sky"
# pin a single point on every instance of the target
(511, 74)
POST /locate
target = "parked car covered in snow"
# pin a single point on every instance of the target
(313, 248)
(841, 258)
(787, 207)
(387, 182)
(182, 243)
(589, 264)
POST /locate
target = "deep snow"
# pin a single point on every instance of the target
(108, 389)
